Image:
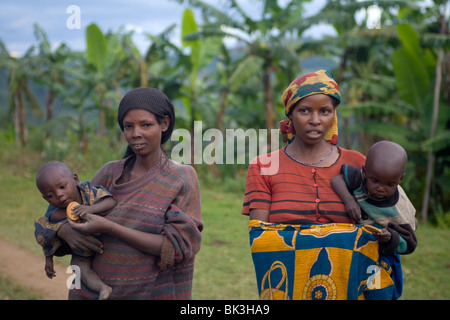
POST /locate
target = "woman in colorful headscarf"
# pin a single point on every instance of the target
(304, 245)
(299, 190)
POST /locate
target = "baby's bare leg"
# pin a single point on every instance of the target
(90, 278)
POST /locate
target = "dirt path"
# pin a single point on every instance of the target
(27, 269)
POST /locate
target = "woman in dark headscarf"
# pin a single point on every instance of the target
(150, 239)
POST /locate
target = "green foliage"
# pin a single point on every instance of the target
(443, 220)
(96, 47)
(413, 80)
(60, 102)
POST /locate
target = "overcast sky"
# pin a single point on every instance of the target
(153, 16)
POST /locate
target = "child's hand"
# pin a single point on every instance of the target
(49, 271)
(384, 236)
(81, 210)
(353, 210)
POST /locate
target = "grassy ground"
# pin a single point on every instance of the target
(427, 270)
(12, 291)
(223, 268)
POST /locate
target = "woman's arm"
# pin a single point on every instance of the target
(259, 214)
(49, 235)
(77, 240)
(351, 206)
(181, 235)
(258, 193)
(146, 242)
(101, 207)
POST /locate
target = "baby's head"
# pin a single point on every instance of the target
(384, 169)
(57, 183)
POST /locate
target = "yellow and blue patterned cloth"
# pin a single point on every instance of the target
(318, 262)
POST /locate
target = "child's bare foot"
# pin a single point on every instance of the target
(105, 292)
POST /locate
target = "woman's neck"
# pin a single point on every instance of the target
(139, 166)
(308, 151)
(319, 154)
(146, 163)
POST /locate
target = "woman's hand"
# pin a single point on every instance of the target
(79, 241)
(95, 224)
(92, 224)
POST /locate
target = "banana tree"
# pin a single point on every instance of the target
(199, 56)
(418, 75)
(361, 54)
(52, 70)
(96, 58)
(188, 25)
(87, 82)
(111, 58)
(411, 115)
(21, 72)
(269, 50)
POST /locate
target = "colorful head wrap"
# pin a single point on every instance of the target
(306, 85)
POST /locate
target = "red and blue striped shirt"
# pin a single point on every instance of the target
(295, 193)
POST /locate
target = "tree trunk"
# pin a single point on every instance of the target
(222, 107)
(430, 157)
(49, 110)
(434, 120)
(340, 76)
(143, 71)
(270, 116)
(19, 118)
